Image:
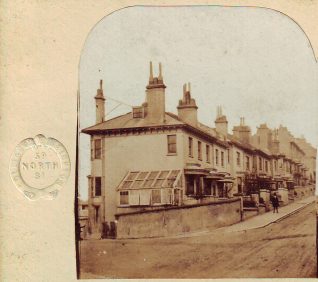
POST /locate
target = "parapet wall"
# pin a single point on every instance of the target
(178, 220)
(304, 191)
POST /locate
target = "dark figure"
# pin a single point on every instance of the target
(275, 203)
(105, 230)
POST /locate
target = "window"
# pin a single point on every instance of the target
(150, 179)
(247, 162)
(137, 112)
(98, 149)
(172, 144)
(92, 186)
(190, 147)
(216, 156)
(98, 186)
(156, 196)
(189, 184)
(266, 166)
(275, 165)
(207, 152)
(124, 198)
(228, 156)
(239, 185)
(199, 150)
(92, 149)
(222, 158)
(260, 163)
(238, 158)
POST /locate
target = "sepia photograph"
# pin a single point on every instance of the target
(197, 145)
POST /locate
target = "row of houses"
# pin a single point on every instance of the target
(152, 159)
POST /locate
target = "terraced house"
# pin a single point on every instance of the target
(153, 160)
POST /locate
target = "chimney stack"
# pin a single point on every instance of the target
(221, 123)
(100, 104)
(155, 97)
(187, 108)
(242, 132)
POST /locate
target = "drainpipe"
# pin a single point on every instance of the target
(241, 208)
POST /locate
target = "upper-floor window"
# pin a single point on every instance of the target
(222, 158)
(207, 153)
(266, 166)
(190, 147)
(96, 186)
(228, 156)
(260, 163)
(172, 144)
(98, 149)
(199, 150)
(238, 158)
(247, 162)
(216, 156)
(275, 165)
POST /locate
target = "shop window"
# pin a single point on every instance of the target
(98, 186)
(207, 187)
(189, 185)
(98, 149)
(172, 144)
(190, 144)
(124, 200)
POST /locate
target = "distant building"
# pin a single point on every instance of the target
(152, 158)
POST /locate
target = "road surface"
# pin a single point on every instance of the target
(283, 249)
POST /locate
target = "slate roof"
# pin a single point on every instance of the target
(126, 121)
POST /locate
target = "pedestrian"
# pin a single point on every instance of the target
(275, 203)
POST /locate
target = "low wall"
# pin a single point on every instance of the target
(250, 212)
(178, 220)
(304, 191)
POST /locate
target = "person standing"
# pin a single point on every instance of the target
(275, 203)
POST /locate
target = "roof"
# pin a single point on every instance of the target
(136, 180)
(240, 144)
(126, 121)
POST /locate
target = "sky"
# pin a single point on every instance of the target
(256, 63)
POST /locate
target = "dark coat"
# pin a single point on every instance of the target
(275, 201)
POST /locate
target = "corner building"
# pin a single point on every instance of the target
(152, 159)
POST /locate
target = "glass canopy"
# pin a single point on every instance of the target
(150, 180)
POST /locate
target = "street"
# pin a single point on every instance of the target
(283, 249)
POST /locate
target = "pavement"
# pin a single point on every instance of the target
(258, 221)
(267, 218)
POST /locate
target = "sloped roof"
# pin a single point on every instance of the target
(127, 121)
(136, 180)
(239, 143)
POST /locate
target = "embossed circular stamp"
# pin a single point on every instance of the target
(39, 167)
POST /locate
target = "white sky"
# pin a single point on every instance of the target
(255, 62)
